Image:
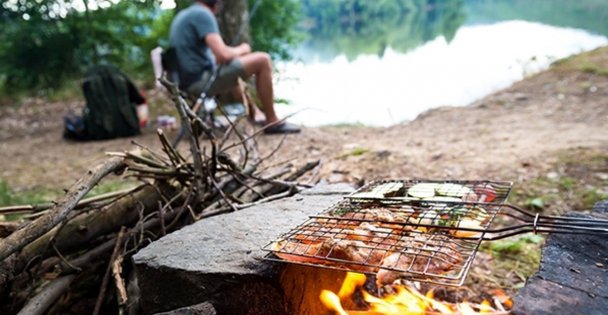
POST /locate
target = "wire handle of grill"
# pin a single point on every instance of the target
(466, 220)
(537, 223)
(451, 216)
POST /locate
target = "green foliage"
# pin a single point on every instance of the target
(272, 27)
(517, 245)
(576, 182)
(537, 204)
(45, 42)
(516, 259)
(595, 69)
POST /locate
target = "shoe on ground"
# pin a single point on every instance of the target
(282, 128)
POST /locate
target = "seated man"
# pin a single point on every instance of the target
(199, 49)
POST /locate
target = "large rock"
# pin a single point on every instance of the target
(573, 277)
(218, 260)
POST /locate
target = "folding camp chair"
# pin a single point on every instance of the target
(205, 105)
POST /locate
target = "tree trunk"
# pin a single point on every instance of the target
(234, 22)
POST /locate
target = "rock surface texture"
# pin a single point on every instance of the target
(218, 260)
(573, 276)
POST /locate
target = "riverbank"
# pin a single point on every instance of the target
(514, 134)
(548, 134)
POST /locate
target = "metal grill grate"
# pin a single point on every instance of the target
(410, 241)
(435, 190)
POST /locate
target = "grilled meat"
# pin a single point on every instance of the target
(374, 239)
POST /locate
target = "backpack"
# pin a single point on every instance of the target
(110, 111)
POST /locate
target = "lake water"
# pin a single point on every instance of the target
(391, 69)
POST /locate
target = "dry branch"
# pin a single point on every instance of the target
(104, 282)
(177, 191)
(51, 292)
(86, 227)
(20, 238)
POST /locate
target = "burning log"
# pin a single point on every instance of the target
(72, 241)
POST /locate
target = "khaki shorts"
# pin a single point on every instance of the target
(227, 78)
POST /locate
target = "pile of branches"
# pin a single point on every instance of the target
(73, 256)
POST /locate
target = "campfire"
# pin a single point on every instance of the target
(424, 232)
(404, 300)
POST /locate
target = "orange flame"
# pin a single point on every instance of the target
(406, 301)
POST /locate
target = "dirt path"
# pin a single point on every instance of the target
(514, 134)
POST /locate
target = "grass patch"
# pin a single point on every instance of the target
(71, 90)
(9, 197)
(108, 186)
(594, 69)
(354, 152)
(592, 62)
(576, 182)
(515, 259)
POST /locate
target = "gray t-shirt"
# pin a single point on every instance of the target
(187, 36)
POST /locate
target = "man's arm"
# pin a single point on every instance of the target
(222, 52)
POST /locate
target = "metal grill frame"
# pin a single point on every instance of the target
(331, 224)
(502, 188)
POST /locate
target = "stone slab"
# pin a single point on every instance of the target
(220, 254)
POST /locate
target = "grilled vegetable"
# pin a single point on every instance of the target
(380, 191)
(453, 190)
(422, 190)
(467, 224)
(486, 193)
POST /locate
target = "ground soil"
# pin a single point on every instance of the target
(514, 135)
(538, 128)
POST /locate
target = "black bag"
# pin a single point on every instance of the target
(110, 112)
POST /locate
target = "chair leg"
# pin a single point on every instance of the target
(180, 135)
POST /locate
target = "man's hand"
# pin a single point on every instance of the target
(225, 53)
(244, 49)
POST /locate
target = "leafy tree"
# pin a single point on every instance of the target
(44, 43)
(272, 26)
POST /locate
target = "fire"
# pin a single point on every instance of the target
(405, 301)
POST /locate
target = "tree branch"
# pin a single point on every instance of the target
(17, 240)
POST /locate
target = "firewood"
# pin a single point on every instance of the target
(72, 240)
(16, 241)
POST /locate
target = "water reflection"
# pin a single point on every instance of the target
(352, 28)
(423, 59)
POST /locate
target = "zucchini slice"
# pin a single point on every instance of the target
(453, 190)
(422, 190)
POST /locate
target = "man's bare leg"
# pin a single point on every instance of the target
(260, 65)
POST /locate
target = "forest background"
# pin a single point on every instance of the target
(47, 44)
